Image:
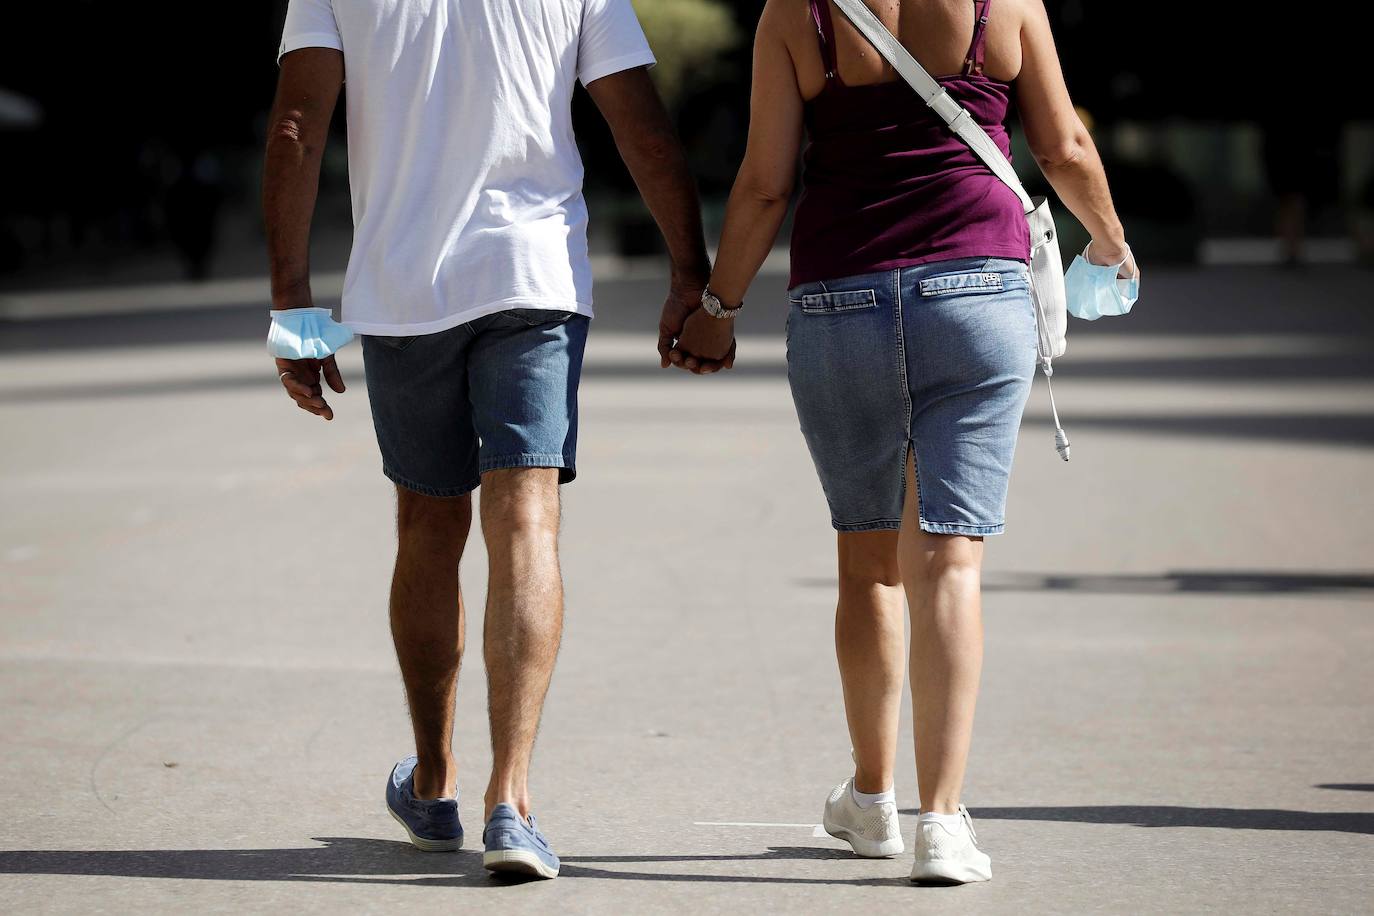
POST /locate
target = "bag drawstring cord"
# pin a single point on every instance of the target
(1061, 438)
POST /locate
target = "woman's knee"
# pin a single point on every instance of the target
(868, 558)
(931, 557)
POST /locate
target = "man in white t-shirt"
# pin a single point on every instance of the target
(470, 283)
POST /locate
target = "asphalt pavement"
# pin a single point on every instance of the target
(201, 702)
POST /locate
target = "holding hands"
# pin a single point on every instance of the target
(690, 337)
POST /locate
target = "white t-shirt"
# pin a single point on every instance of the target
(466, 180)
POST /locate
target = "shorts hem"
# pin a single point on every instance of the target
(424, 489)
(880, 524)
(564, 463)
(957, 528)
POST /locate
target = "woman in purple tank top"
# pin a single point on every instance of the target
(910, 350)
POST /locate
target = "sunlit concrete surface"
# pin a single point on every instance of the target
(201, 707)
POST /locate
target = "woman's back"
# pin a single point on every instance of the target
(936, 32)
(886, 185)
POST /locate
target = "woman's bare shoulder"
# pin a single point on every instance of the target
(787, 18)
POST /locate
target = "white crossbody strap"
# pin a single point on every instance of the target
(934, 95)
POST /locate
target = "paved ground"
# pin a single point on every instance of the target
(201, 705)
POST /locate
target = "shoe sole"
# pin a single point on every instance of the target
(862, 846)
(946, 872)
(517, 862)
(423, 844)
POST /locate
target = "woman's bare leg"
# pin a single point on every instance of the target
(869, 634)
(942, 574)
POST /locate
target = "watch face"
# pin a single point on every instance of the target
(711, 303)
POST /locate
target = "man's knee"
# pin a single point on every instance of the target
(434, 519)
(520, 503)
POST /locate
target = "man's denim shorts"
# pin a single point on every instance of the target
(497, 392)
(938, 357)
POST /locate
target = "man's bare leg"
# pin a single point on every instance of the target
(524, 619)
(427, 626)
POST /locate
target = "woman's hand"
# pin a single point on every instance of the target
(1105, 253)
(707, 344)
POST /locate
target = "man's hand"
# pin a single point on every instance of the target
(684, 298)
(301, 379)
(706, 344)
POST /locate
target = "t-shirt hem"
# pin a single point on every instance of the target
(308, 40)
(643, 58)
(452, 321)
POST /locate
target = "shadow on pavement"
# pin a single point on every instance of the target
(1341, 429)
(1176, 816)
(1227, 582)
(351, 860)
(1347, 786)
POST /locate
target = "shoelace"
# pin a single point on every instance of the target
(968, 822)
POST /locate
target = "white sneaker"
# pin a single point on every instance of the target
(949, 855)
(873, 832)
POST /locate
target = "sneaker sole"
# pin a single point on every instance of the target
(517, 862)
(862, 846)
(942, 871)
(423, 844)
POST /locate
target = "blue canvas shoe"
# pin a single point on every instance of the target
(516, 846)
(431, 823)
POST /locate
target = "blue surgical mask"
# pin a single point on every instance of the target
(1094, 290)
(308, 333)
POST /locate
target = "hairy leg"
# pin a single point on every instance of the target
(524, 619)
(942, 576)
(869, 637)
(427, 626)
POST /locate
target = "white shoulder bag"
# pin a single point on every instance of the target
(1046, 268)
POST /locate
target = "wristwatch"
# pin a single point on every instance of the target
(711, 304)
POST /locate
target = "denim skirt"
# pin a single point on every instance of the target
(938, 359)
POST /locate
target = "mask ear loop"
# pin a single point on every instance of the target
(1129, 255)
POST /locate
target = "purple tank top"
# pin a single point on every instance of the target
(884, 182)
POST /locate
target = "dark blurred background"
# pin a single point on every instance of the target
(130, 135)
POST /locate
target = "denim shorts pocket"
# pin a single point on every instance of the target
(962, 284)
(536, 317)
(850, 300)
(393, 343)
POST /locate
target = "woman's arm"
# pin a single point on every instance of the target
(759, 198)
(1061, 145)
(763, 186)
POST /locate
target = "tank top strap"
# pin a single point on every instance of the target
(820, 12)
(973, 60)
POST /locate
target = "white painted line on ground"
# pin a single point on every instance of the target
(746, 824)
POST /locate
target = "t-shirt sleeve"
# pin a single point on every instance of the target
(310, 24)
(611, 40)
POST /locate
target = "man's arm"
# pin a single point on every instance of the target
(649, 145)
(307, 91)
